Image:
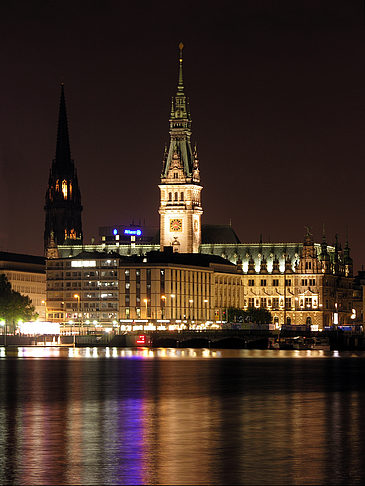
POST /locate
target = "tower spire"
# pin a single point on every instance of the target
(63, 152)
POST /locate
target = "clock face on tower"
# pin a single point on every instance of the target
(175, 224)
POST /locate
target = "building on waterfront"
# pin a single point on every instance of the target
(104, 289)
(27, 275)
(83, 289)
(303, 283)
(63, 199)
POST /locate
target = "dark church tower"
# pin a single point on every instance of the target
(63, 200)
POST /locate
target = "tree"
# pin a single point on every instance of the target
(253, 314)
(235, 314)
(13, 305)
(259, 315)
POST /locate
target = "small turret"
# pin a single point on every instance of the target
(275, 265)
(263, 265)
(347, 261)
(251, 266)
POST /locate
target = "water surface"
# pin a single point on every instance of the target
(181, 416)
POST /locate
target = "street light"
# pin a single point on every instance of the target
(206, 309)
(45, 309)
(163, 302)
(3, 324)
(76, 296)
(172, 306)
(191, 305)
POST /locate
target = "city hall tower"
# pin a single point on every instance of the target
(180, 189)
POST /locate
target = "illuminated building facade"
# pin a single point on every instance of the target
(27, 275)
(83, 289)
(63, 200)
(175, 286)
(103, 289)
(317, 290)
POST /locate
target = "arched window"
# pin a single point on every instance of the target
(181, 196)
(64, 189)
(170, 196)
(176, 196)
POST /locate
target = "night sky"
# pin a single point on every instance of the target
(277, 97)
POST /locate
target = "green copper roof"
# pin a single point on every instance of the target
(180, 128)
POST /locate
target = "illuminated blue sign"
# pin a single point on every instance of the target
(136, 232)
(115, 232)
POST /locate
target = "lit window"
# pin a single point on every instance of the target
(64, 189)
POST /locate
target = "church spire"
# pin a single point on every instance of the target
(63, 152)
(63, 199)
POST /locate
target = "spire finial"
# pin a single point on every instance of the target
(180, 86)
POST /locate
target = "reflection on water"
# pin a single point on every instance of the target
(181, 416)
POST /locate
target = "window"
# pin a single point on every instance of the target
(288, 303)
(170, 196)
(263, 282)
(304, 282)
(275, 303)
(275, 282)
(288, 283)
(176, 175)
(176, 196)
(181, 196)
(263, 302)
(312, 282)
(64, 189)
(308, 302)
(308, 265)
(251, 302)
(251, 283)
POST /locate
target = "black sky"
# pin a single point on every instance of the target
(277, 95)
